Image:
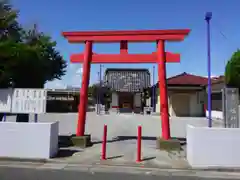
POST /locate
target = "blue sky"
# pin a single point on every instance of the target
(55, 16)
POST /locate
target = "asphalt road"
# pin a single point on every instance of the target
(46, 174)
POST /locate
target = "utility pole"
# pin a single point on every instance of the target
(98, 94)
(100, 84)
(153, 89)
(208, 17)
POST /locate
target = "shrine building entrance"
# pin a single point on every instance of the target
(127, 86)
(126, 102)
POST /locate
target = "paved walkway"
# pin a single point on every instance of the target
(120, 124)
(123, 153)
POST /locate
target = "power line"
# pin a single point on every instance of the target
(217, 27)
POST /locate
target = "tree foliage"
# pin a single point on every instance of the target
(232, 70)
(96, 89)
(9, 27)
(28, 58)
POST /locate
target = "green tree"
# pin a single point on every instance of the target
(28, 58)
(10, 33)
(232, 70)
(37, 61)
(9, 27)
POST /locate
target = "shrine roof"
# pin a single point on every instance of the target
(187, 79)
(127, 79)
(126, 69)
(126, 35)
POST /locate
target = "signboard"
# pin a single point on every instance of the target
(60, 98)
(231, 107)
(29, 101)
(5, 100)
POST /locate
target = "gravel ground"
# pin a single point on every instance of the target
(120, 124)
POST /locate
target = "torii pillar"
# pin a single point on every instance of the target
(123, 37)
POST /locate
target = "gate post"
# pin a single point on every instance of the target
(84, 89)
(161, 57)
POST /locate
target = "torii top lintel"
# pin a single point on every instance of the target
(130, 36)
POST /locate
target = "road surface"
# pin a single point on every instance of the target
(46, 174)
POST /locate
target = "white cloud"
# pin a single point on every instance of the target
(57, 84)
(79, 71)
(71, 66)
(77, 78)
(213, 76)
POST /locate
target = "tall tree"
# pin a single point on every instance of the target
(9, 26)
(232, 70)
(40, 61)
(37, 63)
(10, 33)
(28, 58)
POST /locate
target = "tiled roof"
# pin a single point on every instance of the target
(187, 79)
(126, 69)
(128, 80)
(192, 80)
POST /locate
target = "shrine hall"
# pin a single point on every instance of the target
(127, 87)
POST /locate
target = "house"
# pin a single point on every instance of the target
(62, 100)
(217, 86)
(218, 83)
(186, 95)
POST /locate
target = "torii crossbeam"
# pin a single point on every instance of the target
(124, 37)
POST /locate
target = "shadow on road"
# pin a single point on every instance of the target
(64, 141)
(149, 158)
(115, 157)
(183, 141)
(125, 138)
(150, 138)
(66, 153)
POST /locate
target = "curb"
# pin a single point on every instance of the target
(5, 161)
(121, 169)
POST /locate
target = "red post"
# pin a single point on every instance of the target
(104, 142)
(139, 144)
(163, 89)
(84, 89)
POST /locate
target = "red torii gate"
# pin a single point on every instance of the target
(160, 57)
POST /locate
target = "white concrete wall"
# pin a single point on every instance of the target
(213, 147)
(159, 104)
(215, 114)
(5, 100)
(148, 102)
(29, 140)
(195, 105)
(218, 114)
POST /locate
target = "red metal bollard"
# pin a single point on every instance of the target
(104, 142)
(139, 144)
